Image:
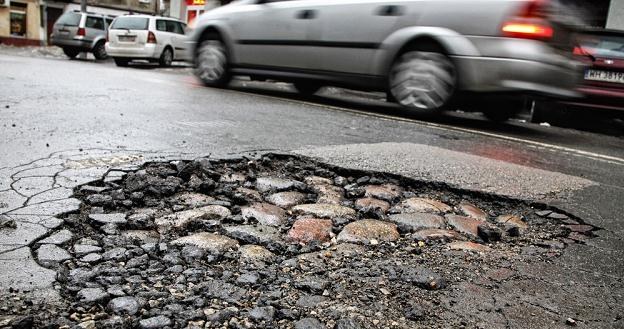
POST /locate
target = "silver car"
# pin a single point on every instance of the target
(144, 37)
(78, 32)
(425, 54)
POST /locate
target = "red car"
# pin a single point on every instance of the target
(602, 86)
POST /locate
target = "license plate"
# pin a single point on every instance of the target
(606, 76)
(127, 38)
(64, 32)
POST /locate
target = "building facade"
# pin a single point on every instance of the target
(20, 22)
(29, 22)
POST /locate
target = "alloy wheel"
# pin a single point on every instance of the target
(424, 81)
(211, 66)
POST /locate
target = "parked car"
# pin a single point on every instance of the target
(78, 32)
(152, 38)
(602, 51)
(425, 54)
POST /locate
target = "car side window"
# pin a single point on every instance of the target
(161, 25)
(109, 21)
(181, 28)
(95, 22)
(174, 27)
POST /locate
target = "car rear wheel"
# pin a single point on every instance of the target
(121, 62)
(166, 58)
(71, 52)
(423, 81)
(211, 62)
(99, 51)
(307, 88)
(501, 108)
(545, 111)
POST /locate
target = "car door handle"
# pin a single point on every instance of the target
(306, 14)
(390, 10)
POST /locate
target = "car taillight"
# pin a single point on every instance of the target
(529, 22)
(81, 32)
(151, 38)
(527, 30)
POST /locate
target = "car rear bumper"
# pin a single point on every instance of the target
(509, 75)
(75, 43)
(146, 51)
(601, 98)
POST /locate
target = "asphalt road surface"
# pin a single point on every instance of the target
(57, 106)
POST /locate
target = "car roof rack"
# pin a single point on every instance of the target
(93, 13)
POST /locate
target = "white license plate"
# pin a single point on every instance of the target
(63, 32)
(606, 76)
(127, 38)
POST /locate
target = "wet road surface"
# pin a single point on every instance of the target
(51, 106)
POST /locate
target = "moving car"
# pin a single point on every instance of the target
(603, 85)
(425, 54)
(78, 32)
(145, 37)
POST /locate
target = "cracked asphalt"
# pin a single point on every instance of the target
(66, 123)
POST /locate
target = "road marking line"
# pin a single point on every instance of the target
(572, 151)
(587, 154)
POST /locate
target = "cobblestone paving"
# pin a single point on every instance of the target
(272, 241)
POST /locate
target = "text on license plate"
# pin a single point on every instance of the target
(607, 76)
(126, 38)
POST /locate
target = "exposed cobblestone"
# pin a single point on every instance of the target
(307, 230)
(198, 247)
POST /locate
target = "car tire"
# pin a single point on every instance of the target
(211, 62)
(423, 81)
(307, 88)
(71, 52)
(166, 58)
(121, 62)
(99, 51)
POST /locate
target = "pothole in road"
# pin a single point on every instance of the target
(283, 241)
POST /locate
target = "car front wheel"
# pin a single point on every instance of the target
(423, 81)
(99, 51)
(211, 62)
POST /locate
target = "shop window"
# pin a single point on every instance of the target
(18, 19)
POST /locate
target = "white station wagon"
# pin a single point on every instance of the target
(152, 38)
(426, 54)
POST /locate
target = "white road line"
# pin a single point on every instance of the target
(573, 151)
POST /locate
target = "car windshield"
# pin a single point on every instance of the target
(611, 46)
(130, 23)
(69, 19)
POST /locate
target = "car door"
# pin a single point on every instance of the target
(94, 27)
(273, 34)
(178, 39)
(353, 31)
